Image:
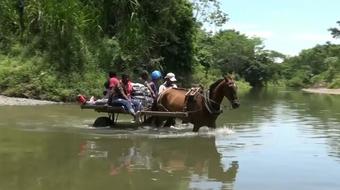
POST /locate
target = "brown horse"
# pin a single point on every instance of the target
(203, 108)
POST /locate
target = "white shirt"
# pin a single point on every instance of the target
(164, 87)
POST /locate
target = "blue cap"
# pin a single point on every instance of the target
(156, 75)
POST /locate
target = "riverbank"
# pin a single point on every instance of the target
(322, 91)
(10, 101)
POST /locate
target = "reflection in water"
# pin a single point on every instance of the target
(322, 113)
(172, 163)
(316, 116)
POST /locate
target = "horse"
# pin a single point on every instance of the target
(204, 107)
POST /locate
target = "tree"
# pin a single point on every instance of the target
(229, 51)
(232, 51)
(209, 12)
(75, 40)
(335, 31)
(318, 66)
(261, 70)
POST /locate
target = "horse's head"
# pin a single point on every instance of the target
(230, 91)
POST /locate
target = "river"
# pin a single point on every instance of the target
(278, 139)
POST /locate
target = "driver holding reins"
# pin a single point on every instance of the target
(170, 80)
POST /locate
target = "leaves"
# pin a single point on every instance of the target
(229, 51)
(209, 12)
(318, 66)
(335, 31)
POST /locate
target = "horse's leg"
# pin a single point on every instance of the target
(158, 121)
(212, 125)
(152, 119)
(173, 121)
(196, 128)
(170, 122)
(149, 120)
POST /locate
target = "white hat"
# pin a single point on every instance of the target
(171, 77)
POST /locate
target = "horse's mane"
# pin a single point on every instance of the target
(214, 85)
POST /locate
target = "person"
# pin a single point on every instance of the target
(170, 80)
(112, 80)
(155, 76)
(110, 84)
(127, 86)
(151, 85)
(121, 95)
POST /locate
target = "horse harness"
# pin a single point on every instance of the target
(191, 97)
(211, 104)
(159, 104)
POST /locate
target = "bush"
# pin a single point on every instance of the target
(24, 78)
(296, 82)
(335, 83)
(319, 81)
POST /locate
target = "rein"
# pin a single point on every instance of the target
(159, 103)
(208, 104)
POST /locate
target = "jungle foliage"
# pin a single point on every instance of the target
(315, 67)
(70, 40)
(229, 51)
(55, 49)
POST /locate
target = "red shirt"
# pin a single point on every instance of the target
(127, 88)
(113, 82)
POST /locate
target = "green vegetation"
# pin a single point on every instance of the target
(316, 67)
(335, 31)
(57, 49)
(231, 52)
(74, 43)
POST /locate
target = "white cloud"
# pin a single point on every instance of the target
(251, 30)
(287, 42)
(312, 37)
(260, 34)
(240, 26)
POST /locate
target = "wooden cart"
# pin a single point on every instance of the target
(114, 111)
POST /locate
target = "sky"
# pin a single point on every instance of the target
(287, 26)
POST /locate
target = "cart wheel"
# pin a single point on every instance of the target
(102, 122)
(140, 118)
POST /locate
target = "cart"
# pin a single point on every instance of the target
(114, 111)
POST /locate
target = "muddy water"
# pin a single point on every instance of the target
(278, 139)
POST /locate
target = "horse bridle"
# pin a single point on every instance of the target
(231, 84)
(209, 102)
